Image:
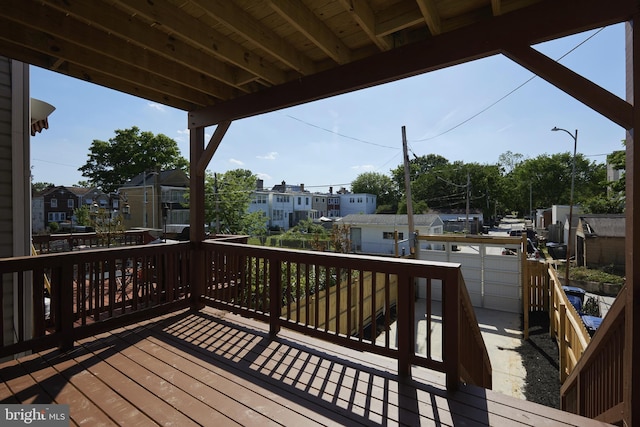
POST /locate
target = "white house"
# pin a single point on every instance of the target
(376, 233)
(360, 203)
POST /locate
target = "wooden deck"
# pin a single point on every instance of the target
(214, 368)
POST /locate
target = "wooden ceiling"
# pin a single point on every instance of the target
(228, 59)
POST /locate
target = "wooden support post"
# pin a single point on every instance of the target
(631, 369)
(196, 225)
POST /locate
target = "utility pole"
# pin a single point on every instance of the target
(216, 202)
(407, 184)
(466, 226)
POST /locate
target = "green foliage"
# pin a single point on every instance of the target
(54, 227)
(546, 180)
(591, 275)
(376, 183)
(41, 186)
(228, 199)
(82, 215)
(128, 154)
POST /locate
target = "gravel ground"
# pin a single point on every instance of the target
(540, 359)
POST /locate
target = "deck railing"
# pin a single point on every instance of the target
(566, 327)
(594, 388)
(347, 299)
(91, 291)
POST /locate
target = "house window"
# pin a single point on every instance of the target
(54, 203)
(70, 203)
(56, 216)
(307, 201)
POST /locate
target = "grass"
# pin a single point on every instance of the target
(591, 275)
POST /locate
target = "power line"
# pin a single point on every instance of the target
(507, 95)
(340, 134)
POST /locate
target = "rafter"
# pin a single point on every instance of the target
(431, 16)
(49, 32)
(111, 20)
(242, 23)
(303, 20)
(366, 19)
(181, 25)
(488, 37)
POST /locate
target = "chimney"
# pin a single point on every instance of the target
(330, 190)
(302, 188)
(260, 184)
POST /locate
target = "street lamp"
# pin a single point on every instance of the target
(573, 179)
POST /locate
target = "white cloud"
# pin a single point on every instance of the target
(183, 132)
(264, 176)
(156, 106)
(236, 162)
(269, 156)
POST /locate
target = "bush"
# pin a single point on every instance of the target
(590, 275)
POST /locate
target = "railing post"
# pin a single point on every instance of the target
(562, 342)
(275, 286)
(65, 306)
(406, 334)
(451, 328)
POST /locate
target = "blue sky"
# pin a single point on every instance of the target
(330, 142)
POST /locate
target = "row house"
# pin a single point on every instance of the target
(156, 199)
(58, 205)
(286, 205)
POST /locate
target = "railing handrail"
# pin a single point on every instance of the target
(606, 400)
(458, 315)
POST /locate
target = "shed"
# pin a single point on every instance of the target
(600, 241)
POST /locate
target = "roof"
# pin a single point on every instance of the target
(228, 59)
(603, 225)
(173, 177)
(423, 220)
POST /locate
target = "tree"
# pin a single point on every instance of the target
(546, 180)
(128, 154)
(227, 202)
(382, 186)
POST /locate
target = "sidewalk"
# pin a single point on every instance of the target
(502, 335)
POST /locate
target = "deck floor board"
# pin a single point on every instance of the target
(214, 368)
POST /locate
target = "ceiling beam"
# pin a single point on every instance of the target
(193, 31)
(609, 105)
(45, 61)
(431, 16)
(253, 30)
(366, 19)
(303, 20)
(132, 30)
(543, 21)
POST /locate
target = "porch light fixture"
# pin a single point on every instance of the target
(573, 179)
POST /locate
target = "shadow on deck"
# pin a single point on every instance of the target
(214, 368)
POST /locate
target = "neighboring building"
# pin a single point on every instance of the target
(457, 221)
(154, 196)
(376, 233)
(361, 203)
(600, 241)
(38, 224)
